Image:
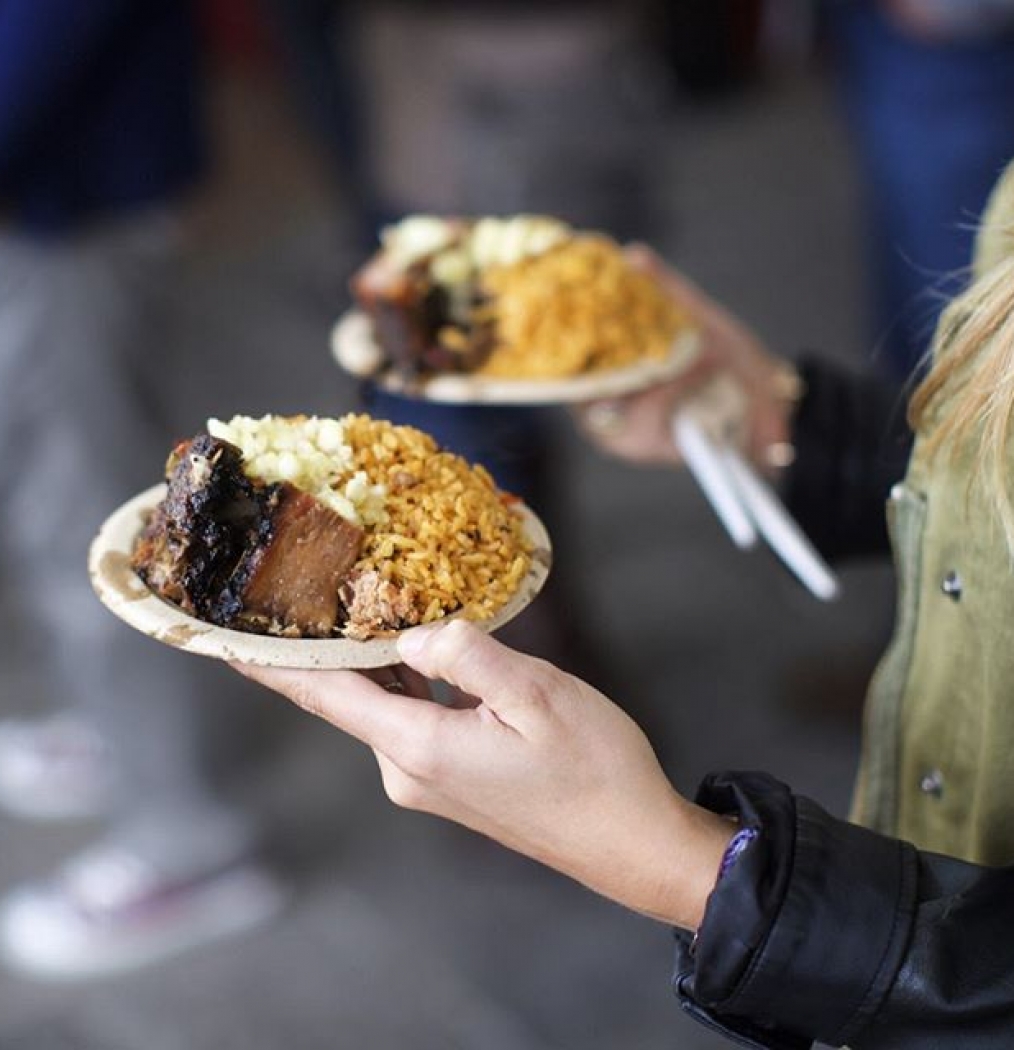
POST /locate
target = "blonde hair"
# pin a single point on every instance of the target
(966, 400)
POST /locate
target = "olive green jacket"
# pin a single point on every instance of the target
(937, 764)
(938, 754)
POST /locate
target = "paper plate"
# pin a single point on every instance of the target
(353, 347)
(126, 595)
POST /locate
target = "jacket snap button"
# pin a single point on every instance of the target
(932, 783)
(952, 586)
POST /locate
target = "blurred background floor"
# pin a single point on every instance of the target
(405, 932)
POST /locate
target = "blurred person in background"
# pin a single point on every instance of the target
(317, 45)
(925, 86)
(890, 932)
(100, 141)
(510, 108)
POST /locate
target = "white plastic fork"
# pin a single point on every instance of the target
(747, 505)
(707, 465)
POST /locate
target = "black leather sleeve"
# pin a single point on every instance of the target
(852, 444)
(825, 931)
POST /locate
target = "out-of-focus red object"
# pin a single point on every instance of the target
(235, 33)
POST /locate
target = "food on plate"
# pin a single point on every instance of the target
(307, 527)
(527, 297)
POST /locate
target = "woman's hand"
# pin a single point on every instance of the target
(531, 757)
(639, 427)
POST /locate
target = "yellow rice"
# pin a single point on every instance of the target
(449, 535)
(575, 308)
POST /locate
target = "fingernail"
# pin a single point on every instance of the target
(412, 642)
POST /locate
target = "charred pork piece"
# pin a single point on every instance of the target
(400, 304)
(239, 553)
(415, 322)
(288, 580)
(198, 533)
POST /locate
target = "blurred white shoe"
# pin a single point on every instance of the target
(54, 769)
(108, 912)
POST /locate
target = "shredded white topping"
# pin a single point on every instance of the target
(457, 250)
(311, 453)
(504, 242)
(416, 237)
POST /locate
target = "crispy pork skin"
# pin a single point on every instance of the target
(240, 553)
(195, 537)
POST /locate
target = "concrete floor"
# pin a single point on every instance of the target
(405, 932)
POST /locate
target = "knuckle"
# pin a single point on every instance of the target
(453, 647)
(404, 792)
(542, 684)
(417, 753)
(538, 693)
(453, 640)
(420, 760)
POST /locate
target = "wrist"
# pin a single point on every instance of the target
(687, 855)
(708, 837)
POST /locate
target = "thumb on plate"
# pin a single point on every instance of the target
(468, 658)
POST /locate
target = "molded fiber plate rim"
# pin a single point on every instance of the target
(463, 389)
(123, 592)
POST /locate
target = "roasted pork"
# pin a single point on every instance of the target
(239, 553)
